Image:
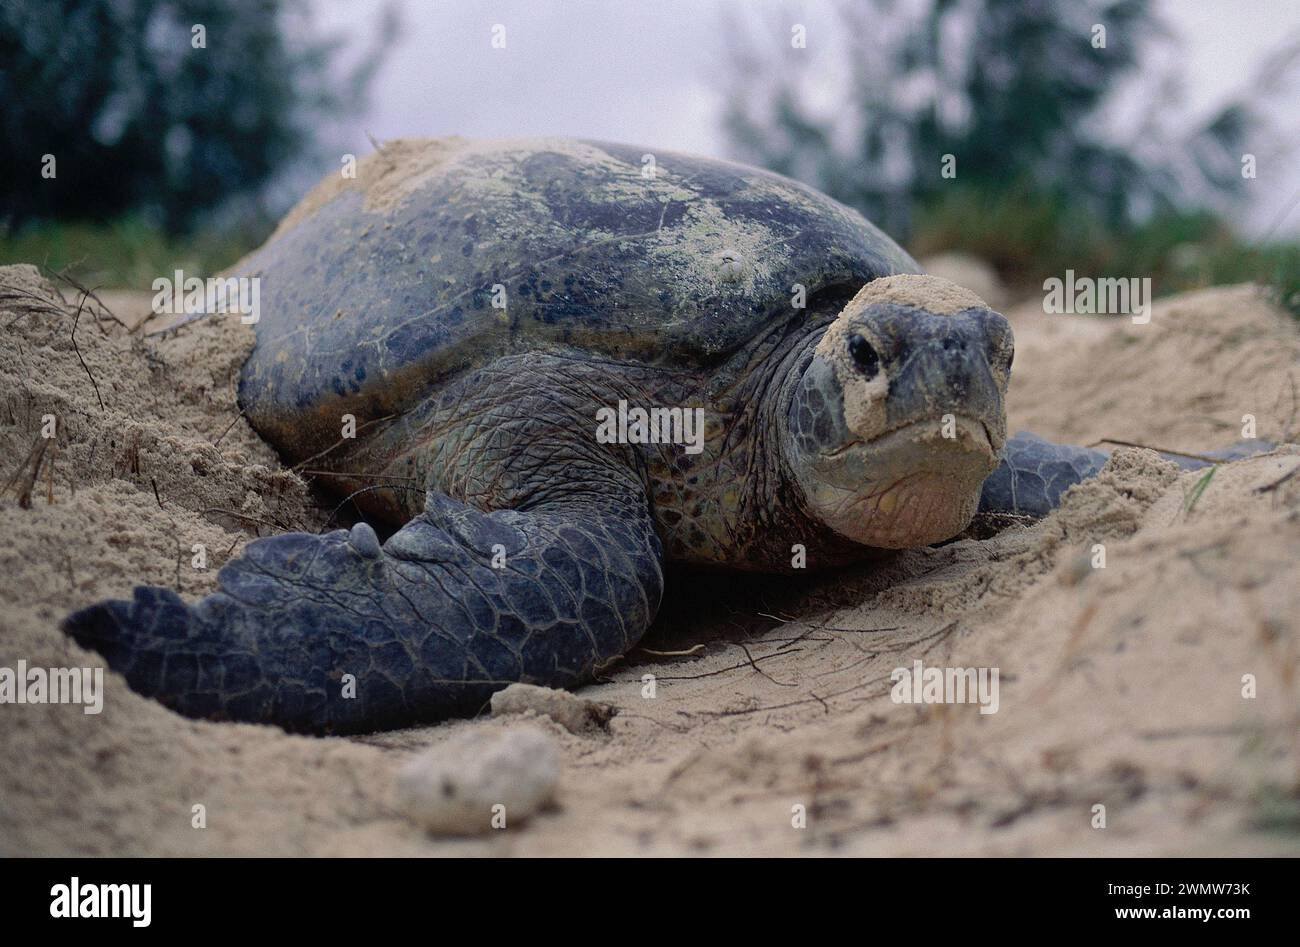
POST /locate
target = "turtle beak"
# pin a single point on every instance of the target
(949, 377)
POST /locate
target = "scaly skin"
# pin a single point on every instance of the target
(424, 624)
(379, 301)
(733, 504)
(1035, 473)
(539, 553)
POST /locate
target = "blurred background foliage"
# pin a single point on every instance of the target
(165, 152)
(1023, 100)
(201, 146)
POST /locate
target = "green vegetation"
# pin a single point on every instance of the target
(144, 137)
(977, 126)
(1029, 237)
(172, 110)
(1277, 809)
(1198, 489)
(127, 253)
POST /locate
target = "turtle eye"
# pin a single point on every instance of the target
(864, 356)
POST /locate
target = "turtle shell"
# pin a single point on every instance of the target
(440, 255)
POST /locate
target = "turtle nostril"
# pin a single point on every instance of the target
(951, 344)
(864, 356)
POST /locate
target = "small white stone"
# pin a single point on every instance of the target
(455, 788)
(573, 713)
(731, 266)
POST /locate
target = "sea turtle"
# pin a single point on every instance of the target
(567, 364)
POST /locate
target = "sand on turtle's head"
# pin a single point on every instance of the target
(864, 399)
(931, 293)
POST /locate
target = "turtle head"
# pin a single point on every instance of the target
(898, 417)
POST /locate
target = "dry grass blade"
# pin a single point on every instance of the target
(76, 348)
(1158, 450)
(75, 284)
(25, 492)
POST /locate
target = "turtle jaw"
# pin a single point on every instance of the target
(910, 487)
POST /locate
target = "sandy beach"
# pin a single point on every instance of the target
(1120, 686)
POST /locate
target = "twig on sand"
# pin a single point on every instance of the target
(32, 303)
(356, 476)
(1068, 653)
(757, 669)
(229, 427)
(687, 653)
(745, 712)
(25, 492)
(75, 284)
(1159, 450)
(244, 516)
(77, 349)
(22, 465)
(815, 627)
(731, 667)
(1269, 487)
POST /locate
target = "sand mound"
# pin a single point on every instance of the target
(1182, 382)
(1119, 686)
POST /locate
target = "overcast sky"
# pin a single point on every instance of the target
(647, 71)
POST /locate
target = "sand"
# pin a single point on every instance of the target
(1119, 687)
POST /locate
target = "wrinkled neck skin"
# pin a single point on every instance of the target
(772, 528)
(522, 430)
(737, 504)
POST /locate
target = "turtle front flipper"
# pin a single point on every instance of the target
(337, 633)
(1034, 473)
